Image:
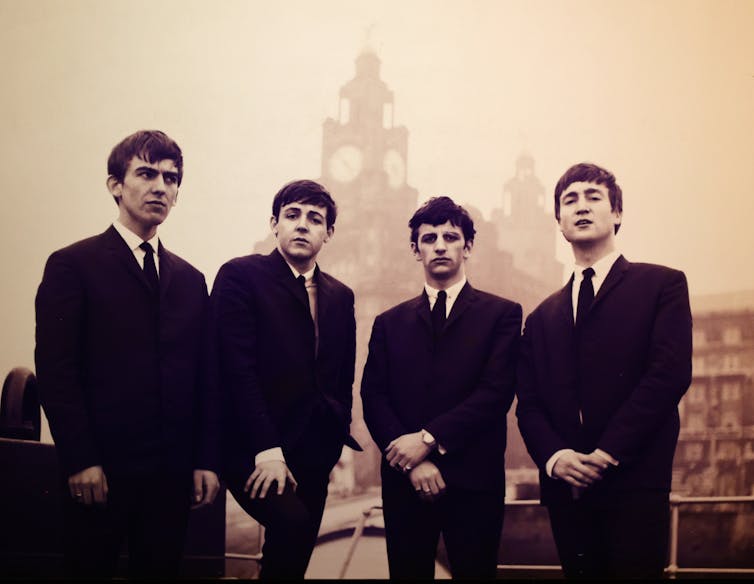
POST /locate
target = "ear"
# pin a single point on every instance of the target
(114, 186)
(416, 252)
(274, 225)
(467, 249)
(175, 200)
(330, 232)
(618, 217)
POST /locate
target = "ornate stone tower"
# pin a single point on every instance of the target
(526, 228)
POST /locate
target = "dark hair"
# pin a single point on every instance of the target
(438, 210)
(307, 192)
(587, 172)
(149, 145)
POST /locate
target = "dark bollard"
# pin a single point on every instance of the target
(19, 406)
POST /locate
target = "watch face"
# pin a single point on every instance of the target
(395, 167)
(345, 163)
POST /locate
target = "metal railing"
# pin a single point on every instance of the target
(672, 570)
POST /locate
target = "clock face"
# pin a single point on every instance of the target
(395, 167)
(345, 163)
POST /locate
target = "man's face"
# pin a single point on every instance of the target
(146, 195)
(442, 251)
(301, 230)
(585, 213)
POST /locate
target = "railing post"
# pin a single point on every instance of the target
(357, 532)
(674, 511)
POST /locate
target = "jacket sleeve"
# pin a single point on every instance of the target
(489, 401)
(209, 403)
(60, 315)
(345, 391)
(381, 420)
(235, 331)
(540, 438)
(666, 378)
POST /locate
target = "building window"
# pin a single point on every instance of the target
(732, 335)
(695, 421)
(695, 394)
(694, 452)
(731, 391)
(729, 419)
(699, 338)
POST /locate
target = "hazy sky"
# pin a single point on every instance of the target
(660, 92)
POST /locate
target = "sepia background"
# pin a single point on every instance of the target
(487, 101)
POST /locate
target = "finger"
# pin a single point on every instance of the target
(99, 493)
(87, 498)
(391, 454)
(198, 488)
(265, 487)
(105, 488)
(250, 481)
(281, 484)
(292, 479)
(255, 485)
(214, 488)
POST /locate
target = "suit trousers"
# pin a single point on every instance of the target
(149, 512)
(292, 520)
(470, 522)
(624, 536)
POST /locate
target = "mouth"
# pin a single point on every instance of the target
(300, 240)
(441, 261)
(156, 204)
(582, 222)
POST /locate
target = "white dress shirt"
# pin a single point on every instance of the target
(134, 241)
(601, 269)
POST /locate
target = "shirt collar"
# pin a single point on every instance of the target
(307, 275)
(452, 291)
(132, 240)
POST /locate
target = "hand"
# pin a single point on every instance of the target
(89, 486)
(265, 473)
(427, 480)
(406, 451)
(578, 469)
(206, 487)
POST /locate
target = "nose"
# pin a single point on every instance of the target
(301, 224)
(440, 245)
(158, 185)
(582, 205)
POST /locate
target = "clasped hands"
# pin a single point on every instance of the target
(579, 469)
(407, 453)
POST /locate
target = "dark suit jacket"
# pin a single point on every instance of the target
(458, 388)
(118, 371)
(626, 367)
(264, 338)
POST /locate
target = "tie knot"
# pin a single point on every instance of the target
(442, 295)
(147, 247)
(588, 273)
(301, 280)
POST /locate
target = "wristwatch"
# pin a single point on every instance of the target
(428, 439)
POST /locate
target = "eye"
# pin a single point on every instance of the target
(316, 219)
(429, 238)
(451, 237)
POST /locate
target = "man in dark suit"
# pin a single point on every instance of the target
(119, 332)
(604, 363)
(285, 339)
(437, 385)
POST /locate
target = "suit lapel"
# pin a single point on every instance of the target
(167, 266)
(284, 275)
(421, 306)
(465, 299)
(614, 276)
(121, 253)
(565, 302)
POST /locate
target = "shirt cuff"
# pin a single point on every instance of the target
(553, 459)
(275, 453)
(606, 456)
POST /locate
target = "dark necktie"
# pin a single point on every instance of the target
(150, 270)
(438, 312)
(586, 295)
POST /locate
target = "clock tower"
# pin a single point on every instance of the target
(364, 166)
